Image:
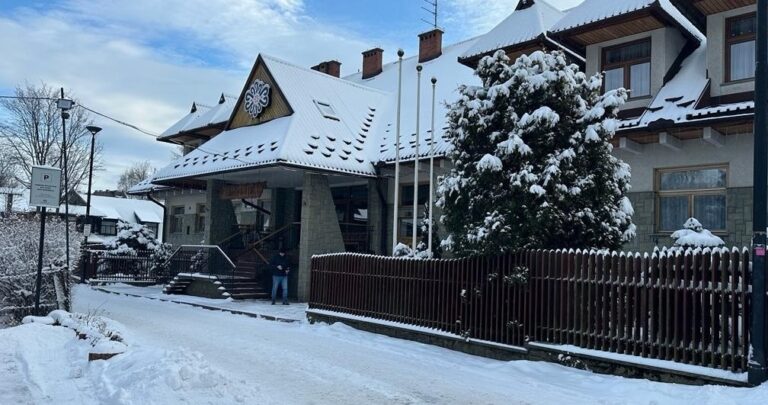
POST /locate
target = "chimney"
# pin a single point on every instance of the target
(331, 67)
(372, 62)
(430, 45)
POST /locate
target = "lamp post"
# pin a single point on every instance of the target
(93, 130)
(758, 359)
(65, 105)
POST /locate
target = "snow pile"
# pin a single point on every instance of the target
(694, 235)
(103, 334)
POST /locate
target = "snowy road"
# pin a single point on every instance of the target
(275, 362)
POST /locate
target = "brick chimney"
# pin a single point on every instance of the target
(372, 62)
(430, 45)
(331, 67)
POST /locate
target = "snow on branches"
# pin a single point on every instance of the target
(532, 160)
(132, 238)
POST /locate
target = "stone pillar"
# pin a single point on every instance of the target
(221, 219)
(376, 222)
(320, 231)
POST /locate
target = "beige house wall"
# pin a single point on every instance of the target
(716, 54)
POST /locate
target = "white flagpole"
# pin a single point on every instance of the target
(431, 169)
(414, 242)
(400, 54)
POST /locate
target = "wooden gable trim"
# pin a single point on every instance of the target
(634, 22)
(709, 7)
(276, 89)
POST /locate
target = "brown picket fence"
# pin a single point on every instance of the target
(686, 306)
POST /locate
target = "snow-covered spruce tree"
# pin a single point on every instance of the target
(132, 238)
(532, 160)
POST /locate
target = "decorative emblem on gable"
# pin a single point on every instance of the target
(256, 98)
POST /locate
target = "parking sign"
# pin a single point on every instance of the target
(46, 187)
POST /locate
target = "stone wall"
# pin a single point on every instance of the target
(738, 220)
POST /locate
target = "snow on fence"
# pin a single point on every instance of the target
(686, 306)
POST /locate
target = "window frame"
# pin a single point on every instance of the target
(111, 223)
(200, 217)
(177, 217)
(690, 193)
(627, 66)
(729, 42)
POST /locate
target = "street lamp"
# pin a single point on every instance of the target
(93, 130)
(65, 105)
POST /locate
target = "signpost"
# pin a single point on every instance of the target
(45, 193)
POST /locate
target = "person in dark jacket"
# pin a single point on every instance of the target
(280, 270)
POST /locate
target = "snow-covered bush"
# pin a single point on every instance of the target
(132, 238)
(160, 258)
(532, 160)
(19, 241)
(402, 250)
(693, 235)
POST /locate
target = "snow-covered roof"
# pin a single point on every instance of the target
(591, 11)
(449, 73)
(213, 115)
(678, 97)
(519, 27)
(145, 186)
(184, 123)
(126, 209)
(343, 142)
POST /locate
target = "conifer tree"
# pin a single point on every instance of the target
(532, 160)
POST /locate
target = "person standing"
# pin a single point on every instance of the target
(280, 270)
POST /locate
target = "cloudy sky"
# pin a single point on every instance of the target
(145, 61)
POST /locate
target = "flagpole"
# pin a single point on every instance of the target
(400, 54)
(431, 169)
(414, 242)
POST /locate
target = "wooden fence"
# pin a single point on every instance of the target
(686, 306)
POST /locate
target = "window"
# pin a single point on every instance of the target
(152, 226)
(406, 194)
(326, 109)
(202, 212)
(108, 227)
(177, 216)
(691, 192)
(740, 47)
(628, 66)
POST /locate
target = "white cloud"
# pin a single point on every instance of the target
(475, 17)
(137, 61)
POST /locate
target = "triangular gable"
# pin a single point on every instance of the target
(261, 99)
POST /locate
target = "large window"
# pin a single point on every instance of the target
(691, 192)
(740, 47)
(177, 215)
(628, 66)
(406, 194)
(152, 226)
(202, 212)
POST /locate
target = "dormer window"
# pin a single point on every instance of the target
(326, 109)
(740, 47)
(628, 66)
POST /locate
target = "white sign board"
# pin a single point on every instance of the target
(46, 187)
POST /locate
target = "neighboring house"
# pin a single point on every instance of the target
(107, 211)
(306, 147)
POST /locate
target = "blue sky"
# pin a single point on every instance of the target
(145, 61)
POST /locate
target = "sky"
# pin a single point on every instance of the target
(146, 61)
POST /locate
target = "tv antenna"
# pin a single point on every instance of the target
(431, 10)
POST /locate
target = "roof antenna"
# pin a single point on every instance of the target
(433, 11)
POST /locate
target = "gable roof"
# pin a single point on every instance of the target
(126, 209)
(521, 26)
(342, 142)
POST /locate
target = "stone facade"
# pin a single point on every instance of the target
(738, 221)
(320, 231)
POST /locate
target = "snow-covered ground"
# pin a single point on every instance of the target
(185, 355)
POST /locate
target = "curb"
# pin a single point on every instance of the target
(208, 307)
